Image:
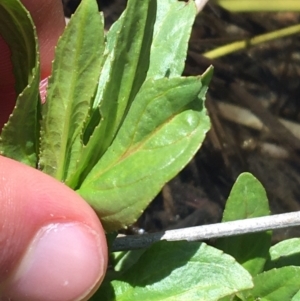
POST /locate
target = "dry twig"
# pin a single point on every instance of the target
(199, 233)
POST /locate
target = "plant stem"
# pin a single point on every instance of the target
(259, 5)
(247, 43)
(199, 233)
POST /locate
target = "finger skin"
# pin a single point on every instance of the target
(49, 20)
(30, 200)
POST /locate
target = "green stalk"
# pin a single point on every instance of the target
(247, 43)
(259, 5)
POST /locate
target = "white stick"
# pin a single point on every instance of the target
(245, 226)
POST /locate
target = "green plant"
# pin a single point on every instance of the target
(119, 122)
(195, 271)
(258, 6)
(117, 111)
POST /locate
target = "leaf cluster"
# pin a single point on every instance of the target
(119, 122)
(237, 268)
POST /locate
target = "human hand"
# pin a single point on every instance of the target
(52, 245)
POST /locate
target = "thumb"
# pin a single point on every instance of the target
(52, 245)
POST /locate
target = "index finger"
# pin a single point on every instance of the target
(49, 20)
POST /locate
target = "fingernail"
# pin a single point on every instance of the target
(62, 263)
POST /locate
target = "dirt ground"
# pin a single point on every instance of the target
(262, 81)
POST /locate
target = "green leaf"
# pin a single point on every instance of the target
(247, 199)
(19, 137)
(296, 296)
(275, 285)
(164, 128)
(170, 40)
(109, 53)
(233, 297)
(124, 72)
(124, 260)
(178, 271)
(285, 253)
(72, 85)
(108, 59)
